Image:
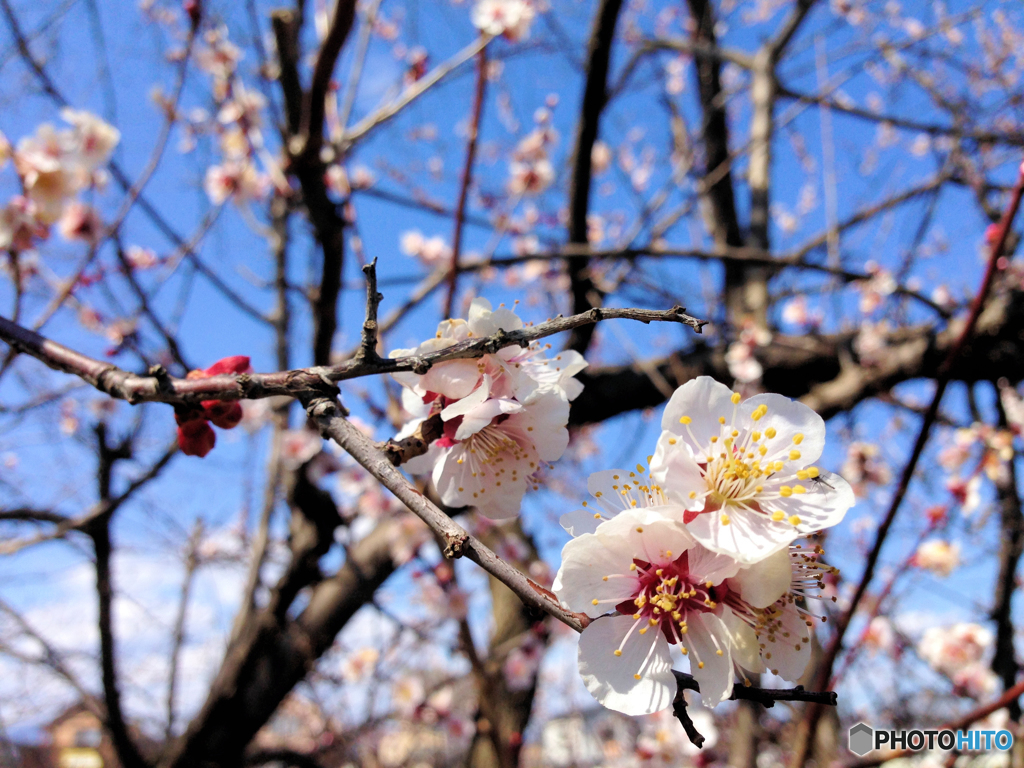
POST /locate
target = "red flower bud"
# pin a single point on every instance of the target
(233, 364)
(196, 437)
(224, 415)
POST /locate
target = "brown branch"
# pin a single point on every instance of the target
(304, 382)
(716, 187)
(467, 177)
(273, 654)
(341, 25)
(595, 95)
(99, 530)
(809, 721)
(766, 697)
(1011, 546)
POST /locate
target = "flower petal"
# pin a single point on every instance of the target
(707, 636)
(580, 521)
(543, 424)
(614, 492)
(609, 551)
(788, 647)
(764, 582)
(702, 400)
(789, 418)
(676, 472)
(485, 322)
(612, 679)
(748, 536)
(745, 649)
(821, 507)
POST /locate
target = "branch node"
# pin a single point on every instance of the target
(454, 543)
(325, 407)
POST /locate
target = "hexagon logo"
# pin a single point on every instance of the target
(861, 738)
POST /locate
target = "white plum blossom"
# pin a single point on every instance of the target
(769, 628)
(658, 580)
(511, 18)
(743, 472)
(503, 414)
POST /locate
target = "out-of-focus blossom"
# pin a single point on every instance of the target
(511, 18)
(20, 226)
(530, 178)
(952, 649)
(140, 258)
(976, 680)
(407, 693)
(359, 664)
(879, 636)
(80, 222)
(244, 107)
(938, 556)
(743, 366)
(865, 467)
(966, 492)
(336, 180)
(661, 741)
(1013, 406)
(876, 288)
(432, 251)
(362, 177)
(237, 180)
(218, 56)
(871, 342)
(600, 158)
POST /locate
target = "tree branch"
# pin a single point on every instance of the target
(595, 95)
(304, 382)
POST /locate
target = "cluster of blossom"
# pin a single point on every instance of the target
(504, 414)
(959, 652)
(53, 167)
(531, 171)
(996, 451)
(743, 366)
(876, 288)
(195, 435)
(700, 554)
(431, 251)
(239, 118)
